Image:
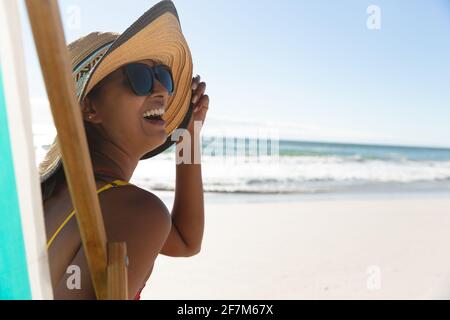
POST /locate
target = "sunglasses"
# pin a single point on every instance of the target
(142, 78)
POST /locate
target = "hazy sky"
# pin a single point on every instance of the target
(312, 69)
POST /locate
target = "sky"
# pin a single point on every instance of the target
(312, 70)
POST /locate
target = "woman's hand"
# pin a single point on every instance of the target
(200, 101)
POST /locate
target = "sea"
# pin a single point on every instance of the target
(253, 166)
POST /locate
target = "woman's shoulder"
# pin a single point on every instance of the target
(126, 202)
(134, 203)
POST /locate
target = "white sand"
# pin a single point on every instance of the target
(315, 250)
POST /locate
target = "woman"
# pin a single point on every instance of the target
(128, 106)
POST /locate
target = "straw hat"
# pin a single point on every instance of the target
(155, 35)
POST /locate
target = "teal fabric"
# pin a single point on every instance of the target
(14, 280)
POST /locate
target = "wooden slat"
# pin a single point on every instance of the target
(51, 47)
(117, 271)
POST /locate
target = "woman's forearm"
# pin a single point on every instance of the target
(188, 214)
(188, 209)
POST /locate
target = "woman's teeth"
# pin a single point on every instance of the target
(154, 117)
(154, 113)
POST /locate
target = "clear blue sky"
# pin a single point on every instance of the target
(310, 66)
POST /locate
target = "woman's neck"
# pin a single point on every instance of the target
(113, 163)
(108, 158)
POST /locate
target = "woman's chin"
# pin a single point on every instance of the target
(156, 143)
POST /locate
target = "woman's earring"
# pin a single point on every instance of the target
(90, 116)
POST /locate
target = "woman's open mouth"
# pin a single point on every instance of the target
(155, 117)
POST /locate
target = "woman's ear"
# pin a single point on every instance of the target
(89, 110)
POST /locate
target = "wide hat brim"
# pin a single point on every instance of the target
(156, 35)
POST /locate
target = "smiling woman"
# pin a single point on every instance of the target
(135, 90)
(116, 112)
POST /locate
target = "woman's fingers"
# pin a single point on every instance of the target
(200, 91)
(195, 82)
(203, 103)
(201, 88)
(199, 98)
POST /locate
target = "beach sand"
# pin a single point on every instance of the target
(315, 249)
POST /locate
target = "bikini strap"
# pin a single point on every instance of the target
(114, 184)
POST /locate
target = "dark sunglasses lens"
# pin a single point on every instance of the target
(165, 78)
(141, 79)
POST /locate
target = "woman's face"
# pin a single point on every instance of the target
(118, 113)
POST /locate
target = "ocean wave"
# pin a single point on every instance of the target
(297, 174)
(300, 168)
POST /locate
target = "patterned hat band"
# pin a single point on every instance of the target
(83, 71)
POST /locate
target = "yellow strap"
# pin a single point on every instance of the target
(115, 183)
